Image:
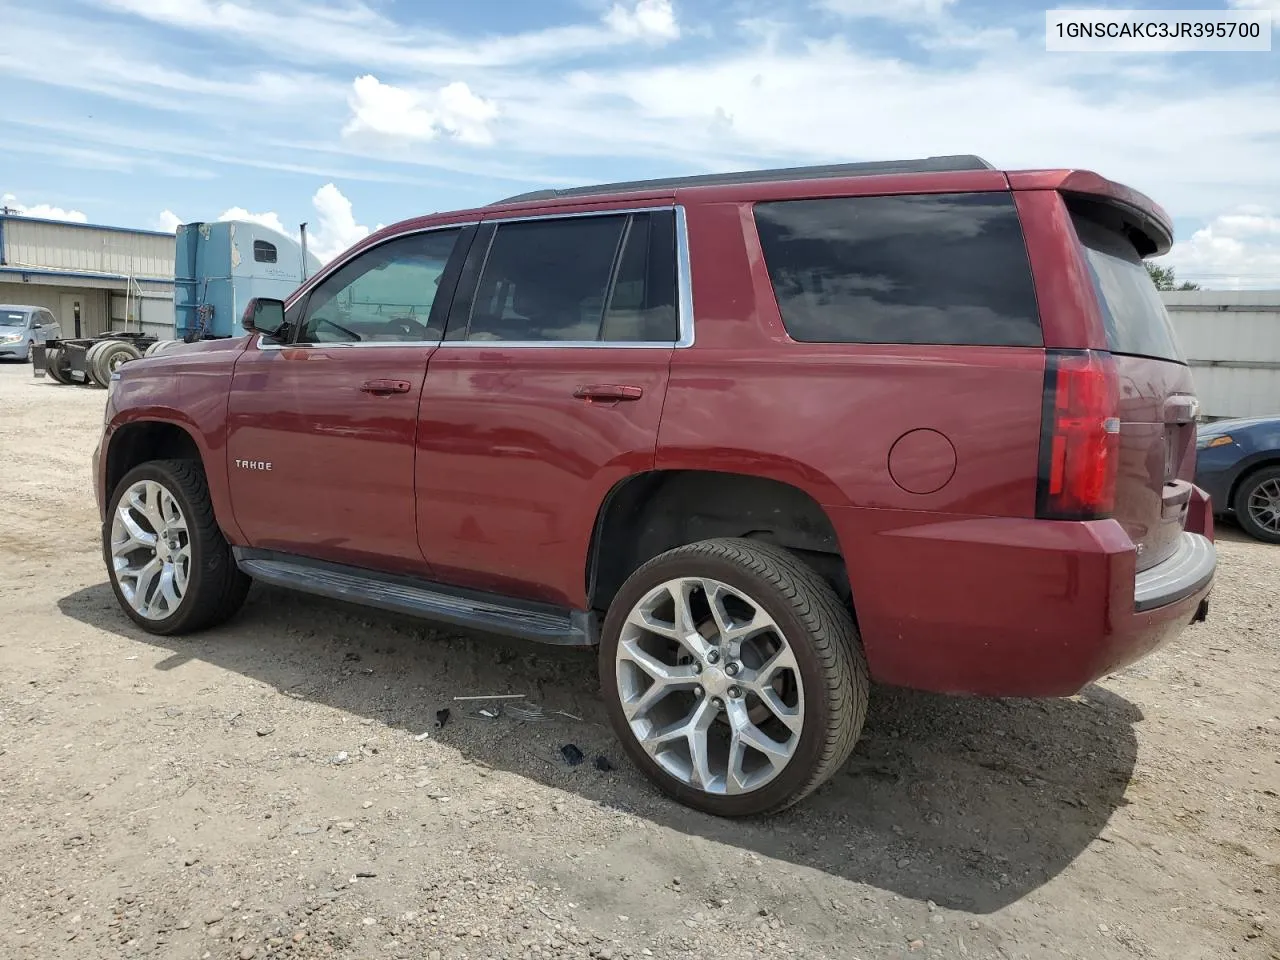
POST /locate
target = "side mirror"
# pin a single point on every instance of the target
(265, 316)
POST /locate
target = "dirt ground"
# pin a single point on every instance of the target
(279, 787)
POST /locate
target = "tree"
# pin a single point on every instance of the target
(1164, 279)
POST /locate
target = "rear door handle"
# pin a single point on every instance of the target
(606, 392)
(386, 386)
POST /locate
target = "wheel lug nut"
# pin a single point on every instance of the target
(735, 692)
(717, 703)
(698, 692)
(713, 656)
(697, 668)
(732, 669)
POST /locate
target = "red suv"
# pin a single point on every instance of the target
(759, 437)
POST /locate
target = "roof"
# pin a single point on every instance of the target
(948, 164)
(84, 226)
(19, 306)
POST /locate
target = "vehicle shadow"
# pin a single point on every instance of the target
(971, 803)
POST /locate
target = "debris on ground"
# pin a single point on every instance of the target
(572, 755)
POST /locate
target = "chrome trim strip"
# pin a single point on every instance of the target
(1190, 568)
(684, 292)
(684, 280)
(263, 345)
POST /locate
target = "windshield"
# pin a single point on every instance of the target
(11, 318)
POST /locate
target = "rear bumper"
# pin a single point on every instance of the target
(1011, 607)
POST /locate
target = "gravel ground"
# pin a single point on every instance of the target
(281, 787)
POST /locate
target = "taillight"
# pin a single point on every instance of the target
(1080, 436)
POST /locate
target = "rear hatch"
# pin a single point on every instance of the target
(1158, 407)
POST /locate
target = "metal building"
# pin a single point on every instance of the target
(94, 278)
(1232, 341)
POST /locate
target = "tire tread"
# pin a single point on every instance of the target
(830, 632)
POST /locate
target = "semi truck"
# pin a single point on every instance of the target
(218, 268)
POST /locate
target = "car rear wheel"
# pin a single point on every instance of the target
(171, 569)
(110, 356)
(733, 676)
(1258, 505)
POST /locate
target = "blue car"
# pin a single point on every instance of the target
(1238, 463)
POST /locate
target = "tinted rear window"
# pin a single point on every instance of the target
(928, 269)
(1132, 311)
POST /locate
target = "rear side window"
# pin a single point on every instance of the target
(926, 269)
(264, 252)
(1132, 311)
(582, 279)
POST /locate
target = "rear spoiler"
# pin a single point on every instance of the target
(1144, 220)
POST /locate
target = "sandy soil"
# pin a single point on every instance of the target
(279, 787)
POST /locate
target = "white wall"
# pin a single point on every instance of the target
(1232, 341)
(43, 245)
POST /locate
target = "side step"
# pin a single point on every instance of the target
(525, 620)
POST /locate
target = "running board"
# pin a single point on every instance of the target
(525, 620)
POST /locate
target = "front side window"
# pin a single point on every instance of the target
(918, 269)
(580, 279)
(384, 295)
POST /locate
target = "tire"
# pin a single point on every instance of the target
(54, 367)
(90, 357)
(111, 354)
(1257, 504)
(164, 346)
(215, 587)
(828, 663)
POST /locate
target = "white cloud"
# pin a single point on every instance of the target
(334, 230)
(645, 20)
(384, 110)
(270, 219)
(902, 11)
(1272, 5)
(336, 227)
(1238, 250)
(44, 211)
(310, 32)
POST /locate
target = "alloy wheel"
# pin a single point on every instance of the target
(150, 549)
(1264, 505)
(709, 686)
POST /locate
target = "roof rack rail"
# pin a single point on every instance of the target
(948, 164)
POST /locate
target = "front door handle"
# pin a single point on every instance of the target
(608, 393)
(383, 387)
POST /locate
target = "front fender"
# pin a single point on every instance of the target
(188, 389)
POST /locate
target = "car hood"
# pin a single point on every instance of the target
(1219, 427)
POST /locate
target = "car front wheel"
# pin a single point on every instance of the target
(733, 676)
(171, 568)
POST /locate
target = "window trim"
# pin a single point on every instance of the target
(303, 293)
(684, 290)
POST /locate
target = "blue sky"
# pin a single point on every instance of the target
(352, 114)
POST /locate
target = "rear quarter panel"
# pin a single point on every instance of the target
(825, 418)
(186, 386)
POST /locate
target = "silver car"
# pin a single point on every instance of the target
(21, 326)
